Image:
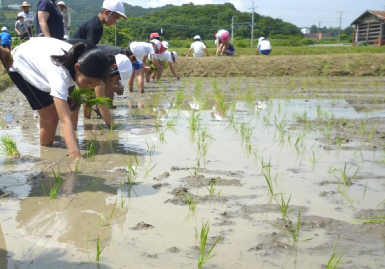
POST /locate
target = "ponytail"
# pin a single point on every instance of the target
(92, 63)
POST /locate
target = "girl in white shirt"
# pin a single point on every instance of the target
(43, 69)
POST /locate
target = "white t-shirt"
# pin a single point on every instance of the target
(32, 60)
(29, 17)
(198, 46)
(264, 45)
(165, 56)
(141, 49)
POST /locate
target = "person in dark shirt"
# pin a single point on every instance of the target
(49, 20)
(92, 30)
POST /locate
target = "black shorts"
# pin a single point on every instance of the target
(6, 46)
(36, 98)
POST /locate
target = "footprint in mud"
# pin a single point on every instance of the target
(160, 185)
(142, 226)
(162, 176)
(173, 249)
(148, 255)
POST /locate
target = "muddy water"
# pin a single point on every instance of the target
(329, 127)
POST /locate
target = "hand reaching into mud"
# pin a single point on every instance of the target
(6, 58)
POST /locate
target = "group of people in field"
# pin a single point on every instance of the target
(47, 68)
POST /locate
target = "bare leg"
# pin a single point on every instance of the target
(87, 110)
(5, 57)
(131, 81)
(140, 75)
(48, 124)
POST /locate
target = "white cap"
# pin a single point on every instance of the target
(157, 43)
(115, 6)
(261, 38)
(124, 67)
(197, 37)
(165, 44)
(65, 37)
(21, 14)
(175, 55)
(4, 29)
(61, 3)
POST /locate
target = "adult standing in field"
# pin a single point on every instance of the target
(198, 48)
(164, 60)
(6, 39)
(66, 17)
(29, 16)
(92, 30)
(223, 39)
(141, 50)
(264, 46)
(49, 20)
(43, 69)
(21, 27)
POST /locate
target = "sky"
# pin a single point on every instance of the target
(302, 13)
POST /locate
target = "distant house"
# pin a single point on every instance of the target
(369, 27)
(317, 36)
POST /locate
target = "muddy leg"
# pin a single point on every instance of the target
(140, 75)
(131, 81)
(48, 124)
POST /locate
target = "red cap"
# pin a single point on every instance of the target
(154, 35)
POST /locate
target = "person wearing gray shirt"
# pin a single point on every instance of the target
(21, 27)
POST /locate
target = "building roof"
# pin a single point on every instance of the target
(379, 14)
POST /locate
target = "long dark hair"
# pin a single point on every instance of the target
(93, 63)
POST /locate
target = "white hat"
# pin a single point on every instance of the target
(261, 38)
(61, 3)
(165, 44)
(115, 6)
(65, 37)
(175, 55)
(4, 29)
(197, 37)
(124, 67)
(158, 44)
(21, 14)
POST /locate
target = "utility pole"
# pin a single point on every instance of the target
(252, 24)
(339, 29)
(115, 35)
(319, 26)
(232, 30)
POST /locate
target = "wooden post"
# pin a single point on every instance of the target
(353, 36)
(367, 33)
(357, 33)
(381, 34)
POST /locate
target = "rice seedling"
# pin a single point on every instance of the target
(198, 89)
(92, 147)
(347, 181)
(372, 132)
(88, 98)
(55, 189)
(194, 121)
(149, 169)
(363, 124)
(112, 213)
(204, 256)
(171, 123)
(42, 185)
(295, 232)
(99, 248)
(122, 200)
(212, 187)
(283, 206)
(280, 126)
(192, 204)
(9, 146)
(335, 258)
(314, 160)
(379, 220)
(179, 98)
(132, 170)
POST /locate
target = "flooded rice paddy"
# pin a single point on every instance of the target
(282, 169)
